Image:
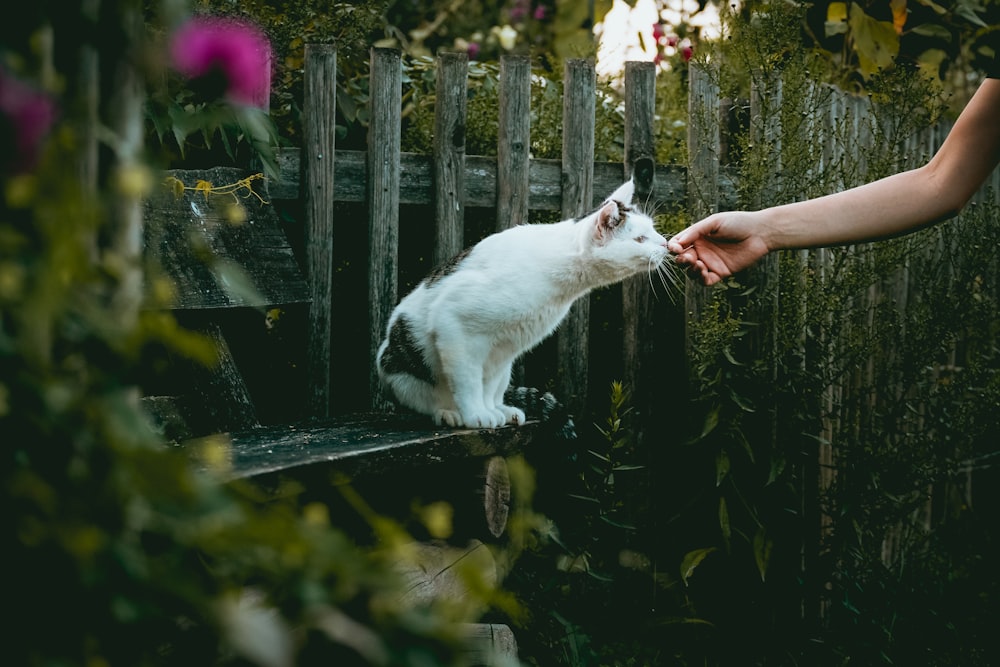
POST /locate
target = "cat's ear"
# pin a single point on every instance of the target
(608, 218)
(624, 193)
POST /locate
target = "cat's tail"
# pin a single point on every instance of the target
(545, 407)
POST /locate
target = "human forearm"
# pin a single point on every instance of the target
(903, 202)
(892, 206)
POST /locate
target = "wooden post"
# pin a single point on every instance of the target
(638, 332)
(449, 155)
(317, 163)
(513, 141)
(513, 150)
(385, 89)
(126, 123)
(573, 335)
(703, 170)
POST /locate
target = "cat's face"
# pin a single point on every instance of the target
(625, 237)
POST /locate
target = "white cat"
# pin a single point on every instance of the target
(450, 343)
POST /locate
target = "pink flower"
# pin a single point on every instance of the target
(658, 31)
(687, 52)
(672, 41)
(26, 115)
(540, 13)
(238, 51)
(472, 50)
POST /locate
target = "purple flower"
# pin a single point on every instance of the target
(26, 115)
(473, 50)
(540, 13)
(206, 47)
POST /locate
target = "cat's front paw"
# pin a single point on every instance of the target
(484, 419)
(513, 415)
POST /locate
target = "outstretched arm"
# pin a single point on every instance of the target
(725, 243)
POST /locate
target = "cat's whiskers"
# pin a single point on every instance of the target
(670, 278)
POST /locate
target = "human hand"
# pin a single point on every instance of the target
(720, 245)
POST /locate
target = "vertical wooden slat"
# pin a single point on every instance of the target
(385, 89)
(513, 143)
(126, 122)
(637, 292)
(579, 94)
(449, 155)
(703, 170)
(766, 95)
(319, 138)
(513, 151)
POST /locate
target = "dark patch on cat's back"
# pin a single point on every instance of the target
(447, 268)
(402, 355)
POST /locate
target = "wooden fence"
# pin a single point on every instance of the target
(649, 329)
(387, 181)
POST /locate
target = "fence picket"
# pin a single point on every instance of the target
(449, 155)
(513, 142)
(383, 201)
(319, 140)
(703, 171)
(573, 336)
(638, 334)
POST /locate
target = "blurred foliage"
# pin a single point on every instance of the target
(949, 41)
(128, 550)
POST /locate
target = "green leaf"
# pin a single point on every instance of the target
(617, 524)
(938, 9)
(722, 466)
(711, 421)
(724, 526)
(692, 560)
(875, 42)
(762, 547)
(599, 455)
(933, 30)
(745, 404)
(729, 357)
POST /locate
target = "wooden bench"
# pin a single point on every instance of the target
(235, 278)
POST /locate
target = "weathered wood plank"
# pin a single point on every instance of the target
(638, 298)
(433, 571)
(417, 179)
(513, 142)
(187, 237)
(319, 140)
(703, 170)
(449, 155)
(489, 644)
(358, 445)
(577, 180)
(383, 202)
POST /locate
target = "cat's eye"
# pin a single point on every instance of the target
(640, 239)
